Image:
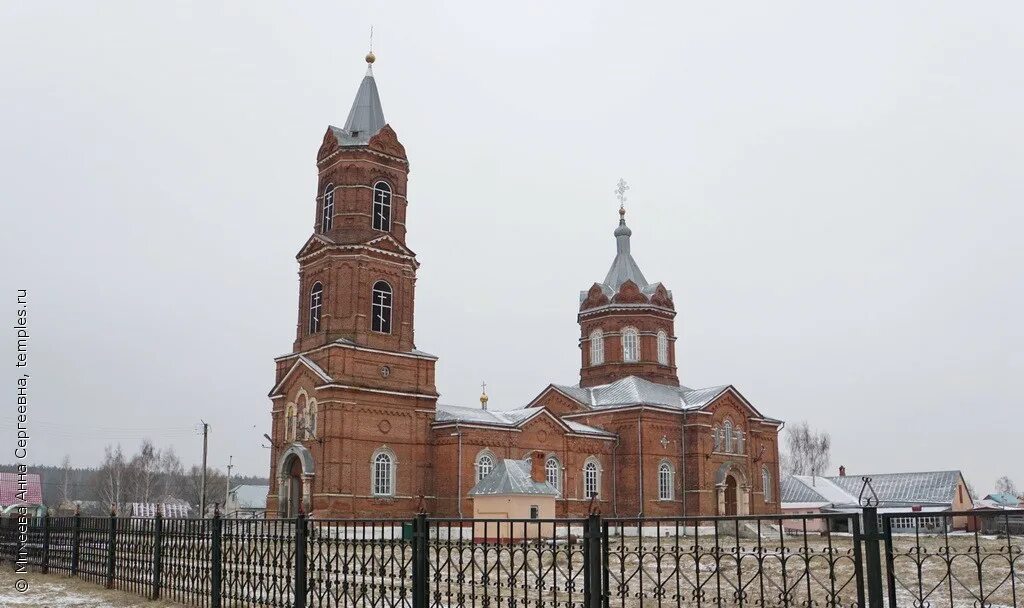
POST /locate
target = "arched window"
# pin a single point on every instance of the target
(766, 483)
(716, 436)
(553, 472)
(591, 478)
(728, 436)
(382, 206)
(316, 306)
(484, 464)
(383, 473)
(381, 308)
(290, 420)
(662, 347)
(630, 345)
(327, 209)
(596, 347)
(666, 487)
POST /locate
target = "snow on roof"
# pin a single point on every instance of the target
(918, 488)
(512, 477)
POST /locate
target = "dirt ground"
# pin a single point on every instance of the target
(53, 591)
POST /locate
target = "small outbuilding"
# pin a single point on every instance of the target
(518, 491)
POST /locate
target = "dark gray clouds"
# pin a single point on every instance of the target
(832, 193)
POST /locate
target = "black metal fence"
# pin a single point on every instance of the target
(834, 560)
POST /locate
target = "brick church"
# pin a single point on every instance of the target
(357, 429)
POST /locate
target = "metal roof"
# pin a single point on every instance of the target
(9, 488)
(512, 477)
(365, 118)
(449, 414)
(918, 488)
(633, 390)
(624, 267)
(250, 496)
(794, 490)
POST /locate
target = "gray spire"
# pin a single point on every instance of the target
(624, 267)
(366, 117)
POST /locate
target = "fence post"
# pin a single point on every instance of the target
(76, 536)
(215, 558)
(593, 581)
(890, 570)
(300, 561)
(420, 568)
(111, 547)
(158, 535)
(872, 555)
(45, 565)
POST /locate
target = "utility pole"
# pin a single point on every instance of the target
(227, 484)
(202, 483)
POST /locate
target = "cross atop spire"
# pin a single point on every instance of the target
(620, 193)
(483, 395)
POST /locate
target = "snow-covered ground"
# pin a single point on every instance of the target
(54, 591)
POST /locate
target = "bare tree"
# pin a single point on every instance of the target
(65, 484)
(171, 473)
(808, 451)
(215, 480)
(1005, 485)
(143, 473)
(110, 478)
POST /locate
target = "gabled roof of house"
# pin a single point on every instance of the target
(452, 414)
(512, 477)
(1005, 499)
(915, 488)
(251, 496)
(10, 488)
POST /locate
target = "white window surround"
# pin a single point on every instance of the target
(662, 347)
(630, 345)
(484, 463)
(596, 347)
(383, 472)
(327, 209)
(591, 478)
(316, 306)
(382, 296)
(766, 483)
(382, 206)
(666, 481)
(553, 472)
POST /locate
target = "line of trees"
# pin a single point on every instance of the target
(150, 474)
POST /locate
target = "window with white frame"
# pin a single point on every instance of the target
(310, 420)
(662, 347)
(316, 306)
(728, 436)
(766, 483)
(630, 345)
(484, 465)
(381, 308)
(383, 473)
(666, 487)
(929, 522)
(327, 209)
(596, 347)
(553, 472)
(382, 206)
(591, 479)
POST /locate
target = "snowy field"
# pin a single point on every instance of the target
(53, 591)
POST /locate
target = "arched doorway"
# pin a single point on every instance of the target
(731, 495)
(293, 487)
(295, 473)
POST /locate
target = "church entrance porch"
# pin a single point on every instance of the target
(295, 481)
(733, 490)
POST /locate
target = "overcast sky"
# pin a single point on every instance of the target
(832, 193)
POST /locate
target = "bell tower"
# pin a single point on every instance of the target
(356, 273)
(626, 323)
